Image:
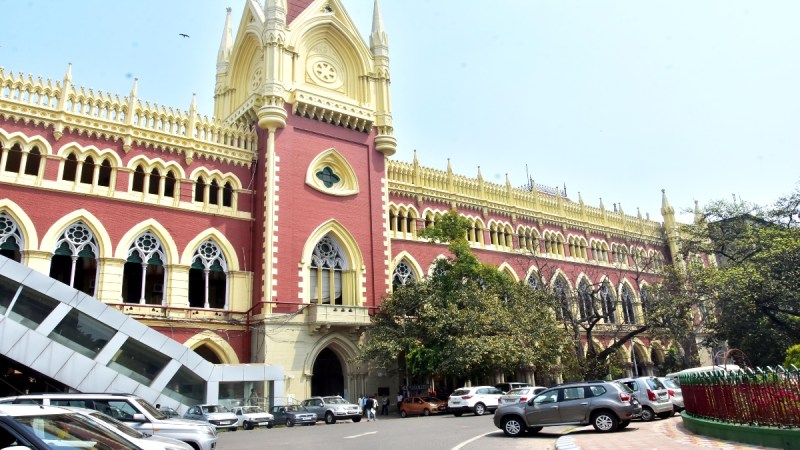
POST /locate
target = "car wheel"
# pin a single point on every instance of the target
(289, 422)
(246, 425)
(513, 426)
(647, 414)
(480, 409)
(458, 414)
(270, 425)
(403, 413)
(357, 419)
(604, 421)
(329, 419)
(426, 412)
(665, 415)
(623, 424)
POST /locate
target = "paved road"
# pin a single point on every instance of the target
(468, 433)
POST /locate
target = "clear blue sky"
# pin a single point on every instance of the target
(615, 99)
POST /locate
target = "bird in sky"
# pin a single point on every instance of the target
(183, 35)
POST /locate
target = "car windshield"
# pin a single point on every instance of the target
(119, 426)
(151, 409)
(654, 383)
(335, 400)
(74, 431)
(430, 399)
(210, 409)
(670, 383)
(252, 410)
(461, 392)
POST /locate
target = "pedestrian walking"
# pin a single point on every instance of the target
(399, 400)
(372, 404)
(385, 405)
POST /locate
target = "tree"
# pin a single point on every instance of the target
(592, 312)
(753, 276)
(467, 319)
(792, 356)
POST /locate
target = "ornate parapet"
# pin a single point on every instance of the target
(422, 183)
(62, 106)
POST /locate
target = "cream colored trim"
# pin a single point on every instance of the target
(167, 241)
(216, 343)
(103, 239)
(348, 181)
(25, 224)
(231, 258)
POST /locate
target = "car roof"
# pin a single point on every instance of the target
(31, 410)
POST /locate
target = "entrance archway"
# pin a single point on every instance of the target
(328, 378)
(208, 354)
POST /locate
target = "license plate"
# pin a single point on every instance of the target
(263, 423)
(455, 402)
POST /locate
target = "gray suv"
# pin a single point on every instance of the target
(332, 409)
(606, 405)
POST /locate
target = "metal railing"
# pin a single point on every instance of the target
(764, 397)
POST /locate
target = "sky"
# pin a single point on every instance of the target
(613, 99)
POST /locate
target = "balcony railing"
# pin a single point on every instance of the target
(324, 316)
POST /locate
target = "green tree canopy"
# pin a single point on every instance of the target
(467, 319)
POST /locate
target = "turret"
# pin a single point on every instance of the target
(225, 45)
(670, 228)
(385, 141)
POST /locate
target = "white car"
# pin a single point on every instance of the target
(520, 395)
(216, 415)
(142, 440)
(253, 416)
(476, 399)
(675, 393)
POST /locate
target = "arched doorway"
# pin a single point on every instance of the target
(328, 378)
(208, 354)
(639, 360)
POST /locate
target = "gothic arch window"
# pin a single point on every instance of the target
(200, 190)
(533, 281)
(227, 195)
(213, 193)
(87, 171)
(143, 275)
(104, 174)
(10, 238)
(644, 294)
(138, 179)
(628, 307)
(154, 182)
(169, 184)
(13, 159)
(609, 304)
(561, 290)
(70, 168)
(74, 261)
(328, 265)
(403, 274)
(33, 162)
(585, 308)
(330, 173)
(208, 277)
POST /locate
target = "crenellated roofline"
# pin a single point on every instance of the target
(65, 107)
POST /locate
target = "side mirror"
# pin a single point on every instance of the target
(530, 402)
(139, 418)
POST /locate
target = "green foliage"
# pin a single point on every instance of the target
(468, 319)
(792, 357)
(756, 288)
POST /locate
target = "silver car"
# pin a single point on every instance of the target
(675, 393)
(653, 396)
(216, 415)
(520, 395)
(606, 405)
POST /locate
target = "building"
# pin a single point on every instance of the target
(269, 233)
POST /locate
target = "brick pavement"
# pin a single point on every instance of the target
(666, 434)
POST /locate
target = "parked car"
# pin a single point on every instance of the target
(292, 415)
(422, 406)
(606, 405)
(675, 393)
(142, 440)
(476, 399)
(511, 385)
(653, 396)
(250, 417)
(134, 411)
(332, 409)
(39, 427)
(216, 415)
(520, 395)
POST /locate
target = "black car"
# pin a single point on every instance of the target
(293, 414)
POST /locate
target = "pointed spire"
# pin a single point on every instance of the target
(449, 166)
(416, 161)
(193, 105)
(378, 40)
(226, 44)
(135, 88)
(665, 206)
(602, 206)
(68, 75)
(480, 176)
(698, 215)
(638, 213)
(580, 198)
